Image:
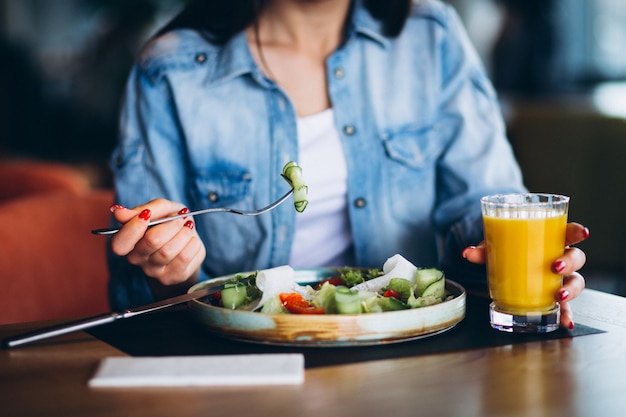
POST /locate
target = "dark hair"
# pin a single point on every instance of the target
(219, 20)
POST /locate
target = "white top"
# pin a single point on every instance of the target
(323, 236)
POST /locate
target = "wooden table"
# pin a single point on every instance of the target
(581, 376)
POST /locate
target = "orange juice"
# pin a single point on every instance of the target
(520, 252)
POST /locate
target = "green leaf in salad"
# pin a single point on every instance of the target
(392, 304)
(325, 298)
(274, 306)
(401, 286)
(373, 302)
(352, 276)
(423, 301)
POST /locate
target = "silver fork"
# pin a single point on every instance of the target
(113, 230)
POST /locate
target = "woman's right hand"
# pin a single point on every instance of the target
(170, 252)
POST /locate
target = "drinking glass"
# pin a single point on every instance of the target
(524, 235)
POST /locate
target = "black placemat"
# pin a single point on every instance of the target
(174, 332)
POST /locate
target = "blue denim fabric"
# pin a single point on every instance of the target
(419, 121)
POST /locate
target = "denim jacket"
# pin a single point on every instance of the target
(419, 121)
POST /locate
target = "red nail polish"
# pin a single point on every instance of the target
(145, 215)
(189, 224)
(571, 325)
(559, 266)
(116, 207)
(563, 294)
(464, 253)
(585, 233)
(183, 210)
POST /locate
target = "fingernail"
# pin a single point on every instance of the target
(116, 207)
(183, 210)
(562, 295)
(571, 325)
(466, 250)
(145, 215)
(189, 224)
(559, 266)
(585, 233)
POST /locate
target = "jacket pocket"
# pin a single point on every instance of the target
(413, 148)
(410, 172)
(223, 186)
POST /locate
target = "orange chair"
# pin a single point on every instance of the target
(51, 266)
(20, 178)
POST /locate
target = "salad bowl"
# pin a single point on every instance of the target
(329, 330)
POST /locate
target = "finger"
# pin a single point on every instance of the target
(135, 222)
(124, 241)
(186, 261)
(567, 317)
(575, 233)
(171, 249)
(154, 239)
(572, 260)
(476, 254)
(573, 285)
(159, 208)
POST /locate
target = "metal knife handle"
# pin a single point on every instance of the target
(98, 320)
(59, 330)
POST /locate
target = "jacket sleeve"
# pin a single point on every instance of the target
(148, 163)
(479, 159)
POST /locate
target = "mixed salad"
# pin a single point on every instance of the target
(399, 285)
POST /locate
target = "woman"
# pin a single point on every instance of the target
(384, 104)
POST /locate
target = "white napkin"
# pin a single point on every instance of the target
(395, 267)
(257, 369)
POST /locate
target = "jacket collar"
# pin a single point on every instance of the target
(235, 58)
(364, 24)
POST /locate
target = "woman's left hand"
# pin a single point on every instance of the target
(567, 265)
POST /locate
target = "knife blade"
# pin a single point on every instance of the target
(98, 320)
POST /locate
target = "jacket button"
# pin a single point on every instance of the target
(360, 202)
(349, 130)
(213, 197)
(200, 58)
(339, 73)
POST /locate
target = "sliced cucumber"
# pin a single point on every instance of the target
(234, 295)
(292, 173)
(437, 289)
(424, 277)
(347, 300)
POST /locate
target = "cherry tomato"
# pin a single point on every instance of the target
(392, 294)
(336, 281)
(216, 299)
(296, 304)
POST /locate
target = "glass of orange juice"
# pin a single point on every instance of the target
(524, 235)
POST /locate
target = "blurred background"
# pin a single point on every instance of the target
(558, 65)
